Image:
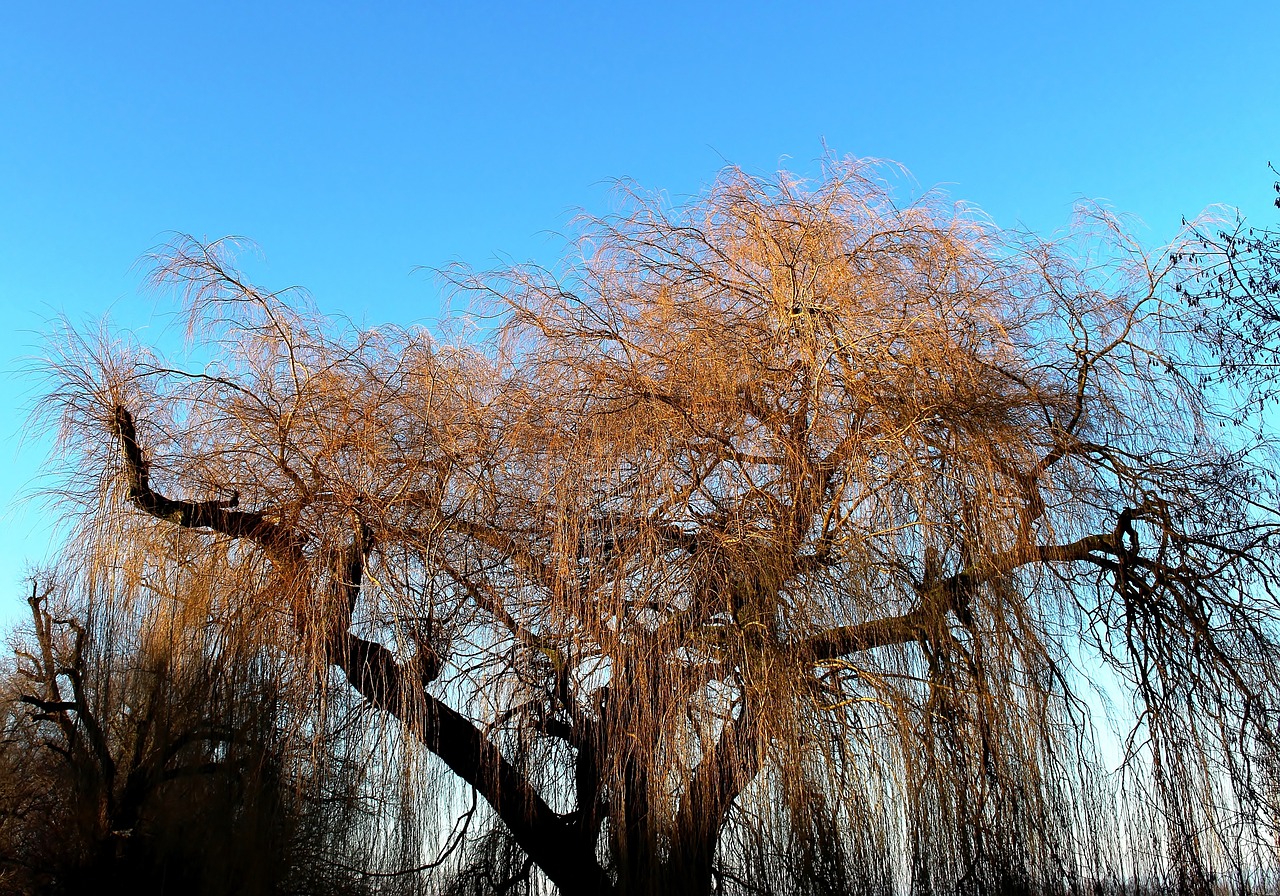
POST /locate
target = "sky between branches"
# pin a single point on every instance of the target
(357, 146)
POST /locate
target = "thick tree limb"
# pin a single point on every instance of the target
(219, 516)
(375, 674)
(49, 706)
(717, 780)
(545, 836)
(949, 596)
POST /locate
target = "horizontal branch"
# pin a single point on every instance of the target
(49, 706)
(948, 596)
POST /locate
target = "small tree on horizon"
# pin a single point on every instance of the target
(780, 542)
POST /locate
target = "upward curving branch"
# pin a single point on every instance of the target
(282, 545)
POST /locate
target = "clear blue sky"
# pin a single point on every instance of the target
(355, 142)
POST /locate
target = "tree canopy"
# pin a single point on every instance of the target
(788, 539)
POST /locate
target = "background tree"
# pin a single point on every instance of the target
(1233, 280)
(783, 541)
(145, 753)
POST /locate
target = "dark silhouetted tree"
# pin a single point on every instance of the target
(145, 753)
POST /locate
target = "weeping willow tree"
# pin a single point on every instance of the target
(789, 540)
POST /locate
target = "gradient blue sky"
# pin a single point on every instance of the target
(354, 142)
